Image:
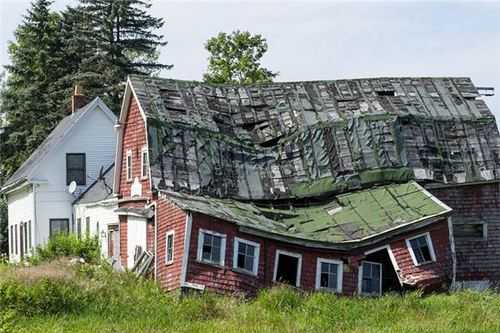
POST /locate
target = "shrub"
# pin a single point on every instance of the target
(69, 246)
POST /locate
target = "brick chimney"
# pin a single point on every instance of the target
(77, 100)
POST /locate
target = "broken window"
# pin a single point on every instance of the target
(371, 278)
(169, 247)
(58, 226)
(287, 268)
(421, 249)
(211, 247)
(75, 169)
(246, 255)
(329, 275)
(470, 230)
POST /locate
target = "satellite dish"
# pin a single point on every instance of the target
(72, 187)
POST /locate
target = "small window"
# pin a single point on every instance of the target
(169, 247)
(246, 256)
(29, 235)
(87, 227)
(129, 165)
(15, 238)
(371, 278)
(79, 228)
(75, 169)
(58, 226)
(211, 247)
(470, 230)
(144, 162)
(421, 249)
(329, 275)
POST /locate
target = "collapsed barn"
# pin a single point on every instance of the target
(317, 184)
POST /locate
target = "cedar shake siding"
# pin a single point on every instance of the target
(134, 140)
(170, 218)
(477, 259)
(230, 281)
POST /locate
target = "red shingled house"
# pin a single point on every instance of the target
(314, 184)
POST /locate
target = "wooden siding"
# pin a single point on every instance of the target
(476, 259)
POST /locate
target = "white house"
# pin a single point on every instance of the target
(94, 213)
(39, 204)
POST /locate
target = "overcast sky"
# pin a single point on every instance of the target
(329, 40)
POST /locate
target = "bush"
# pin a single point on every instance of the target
(69, 246)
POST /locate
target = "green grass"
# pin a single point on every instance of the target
(59, 297)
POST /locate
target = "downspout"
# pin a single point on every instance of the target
(187, 240)
(156, 239)
(453, 254)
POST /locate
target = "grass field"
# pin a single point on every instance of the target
(59, 297)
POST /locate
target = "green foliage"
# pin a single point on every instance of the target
(69, 246)
(4, 241)
(95, 44)
(235, 58)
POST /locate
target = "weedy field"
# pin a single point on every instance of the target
(56, 295)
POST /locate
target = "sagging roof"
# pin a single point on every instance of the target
(281, 140)
(347, 218)
(51, 142)
(101, 189)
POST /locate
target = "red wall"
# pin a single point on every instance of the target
(226, 280)
(169, 218)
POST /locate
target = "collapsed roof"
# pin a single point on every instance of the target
(304, 139)
(345, 221)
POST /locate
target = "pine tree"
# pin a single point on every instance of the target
(27, 101)
(120, 39)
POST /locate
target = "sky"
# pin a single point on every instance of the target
(314, 40)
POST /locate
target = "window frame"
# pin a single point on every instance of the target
(201, 239)
(57, 219)
(432, 253)
(255, 270)
(471, 238)
(360, 279)
(167, 234)
(68, 181)
(340, 272)
(290, 254)
(144, 163)
(128, 165)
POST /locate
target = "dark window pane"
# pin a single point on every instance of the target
(465, 230)
(75, 169)
(324, 280)
(58, 226)
(241, 261)
(249, 263)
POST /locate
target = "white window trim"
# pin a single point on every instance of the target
(128, 166)
(340, 272)
(169, 233)
(201, 237)
(255, 270)
(291, 254)
(144, 150)
(360, 279)
(427, 236)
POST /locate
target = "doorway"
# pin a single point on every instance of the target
(287, 268)
(377, 274)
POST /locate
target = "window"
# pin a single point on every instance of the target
(129, 165)
(11, 239)
(144, 162)
(370, 278)
(421, 249)
(169, 248)
(75, 169)
(287, 267)
(25, 236)
(15, 239)
(246, 256)
(329, 275)
(29, 235)
(79, 228)
(97, 230)
(211, 247)
(87, 227)
(58, 226)
(470, 230)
